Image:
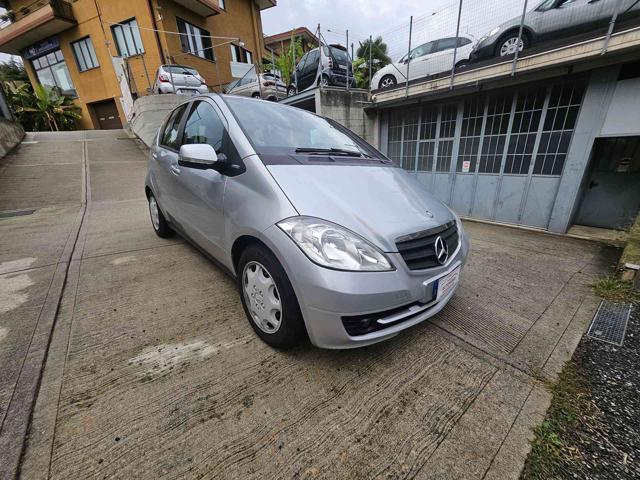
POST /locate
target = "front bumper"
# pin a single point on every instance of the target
(482, 52)
(327, 296)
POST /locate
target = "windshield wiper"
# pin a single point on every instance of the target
(332, 151)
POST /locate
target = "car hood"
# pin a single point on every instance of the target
(379, 203)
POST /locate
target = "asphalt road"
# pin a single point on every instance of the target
(152, 370)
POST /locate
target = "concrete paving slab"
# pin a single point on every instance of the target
(40, 186)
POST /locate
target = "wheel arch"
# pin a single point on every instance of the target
(240, 245)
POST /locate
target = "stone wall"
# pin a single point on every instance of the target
(11, 134)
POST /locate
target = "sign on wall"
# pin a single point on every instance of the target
(40, 48)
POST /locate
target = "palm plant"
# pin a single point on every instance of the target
(41, 109)
(375, 49)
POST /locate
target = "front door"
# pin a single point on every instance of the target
(201, 192)
(611, 197)
(107, 115)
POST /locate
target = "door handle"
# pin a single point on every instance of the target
(175, 169)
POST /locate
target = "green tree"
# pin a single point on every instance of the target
(42, 109)
(13, 71)
(379, 57)
(286, 61)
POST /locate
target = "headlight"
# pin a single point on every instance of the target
(494, 31)
(332, 246)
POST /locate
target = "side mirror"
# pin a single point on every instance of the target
(199, 155)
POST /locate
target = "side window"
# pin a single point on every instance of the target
(169, 137)
(462, 41)
(312, 61)
(203, 125)
(422, 50)
(303, 61)
(446, 44)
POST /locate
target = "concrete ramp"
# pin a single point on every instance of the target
(149, 112)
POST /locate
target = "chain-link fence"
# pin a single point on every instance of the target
(462, 35)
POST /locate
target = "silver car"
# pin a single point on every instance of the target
(179, 79)
(270, 87)
(325, 236)
(551, 19)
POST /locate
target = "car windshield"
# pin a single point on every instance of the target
(180, 70)
(273, 128)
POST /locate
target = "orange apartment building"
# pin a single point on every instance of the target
(71, 44)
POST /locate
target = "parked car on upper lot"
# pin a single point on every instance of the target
(426, 59)
(271, 87)
(336, 69)
(550, 19)
(325, 236)
(179, 79)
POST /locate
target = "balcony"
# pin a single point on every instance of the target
(204, 8)
(35, 22)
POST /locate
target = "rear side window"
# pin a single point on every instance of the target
(462, 41)
(203, 125)
(446, 44)
(169, 137)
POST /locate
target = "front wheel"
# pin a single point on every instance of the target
(268, 299)
(255, 95)
(291, 91)
(510, 43)
(388, 81)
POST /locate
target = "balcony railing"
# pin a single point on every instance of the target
(34, 22)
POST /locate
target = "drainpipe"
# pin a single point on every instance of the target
(154, 24)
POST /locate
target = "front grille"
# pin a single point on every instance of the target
(417, 250)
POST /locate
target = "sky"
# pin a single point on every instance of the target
(389, 18)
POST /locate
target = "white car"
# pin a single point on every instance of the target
(179, 79)
(270, 87)
(427, 59)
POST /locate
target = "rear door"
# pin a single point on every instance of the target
(164, 166)
(201, 192)
(441, 59)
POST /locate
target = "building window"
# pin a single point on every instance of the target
(85, 54)
(222, 4)
(240, 55)
(195, 40)
(52, 72)
(472, 116)
(524, 130)
(519, 132)
(128, 40)
(560, 120)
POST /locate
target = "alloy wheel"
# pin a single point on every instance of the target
(387, 82)
(262, 297)
(509, 46)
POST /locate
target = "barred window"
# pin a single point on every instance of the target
(526, 121)
(562, 113)
(495, 133)
(448, 117)
(427, 144)
(472, 116)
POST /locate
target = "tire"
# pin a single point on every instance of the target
(462, 63)
(323, 81)
(388, 81)
(268, 299)
(255, 95)
(158, 222)
(511, 37)
(291, 91)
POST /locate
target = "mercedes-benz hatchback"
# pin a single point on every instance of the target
(324, 235)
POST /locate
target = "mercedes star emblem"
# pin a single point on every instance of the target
(442, 250)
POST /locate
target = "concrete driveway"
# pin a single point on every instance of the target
(152, 370)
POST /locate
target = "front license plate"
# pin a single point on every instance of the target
(445, 285)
